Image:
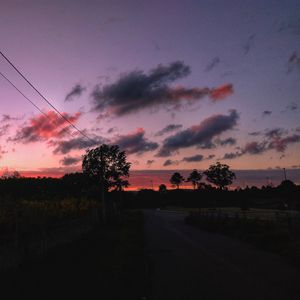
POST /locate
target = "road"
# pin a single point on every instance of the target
(187, 263)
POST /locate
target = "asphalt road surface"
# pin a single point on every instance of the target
(187, 263)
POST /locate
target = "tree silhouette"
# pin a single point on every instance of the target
(220, 175)
(120, 184)
(162, 188)
(106, 165)
(195, 178)
(176, 179)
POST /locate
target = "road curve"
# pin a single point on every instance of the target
(187, 263)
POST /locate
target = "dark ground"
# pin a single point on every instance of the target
(107, 263)
(187, 263)
(183, 262)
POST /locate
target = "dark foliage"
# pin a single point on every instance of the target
(194, 178)
(70, 185)
(220, 175)
(176, 179)
(107, 165)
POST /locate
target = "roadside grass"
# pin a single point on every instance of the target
(106, 263)
(251, 213)
(263, 228)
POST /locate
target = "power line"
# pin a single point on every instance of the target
(11, 83)
(45, 99)
(31, 102)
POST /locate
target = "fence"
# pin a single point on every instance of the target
(284, 219)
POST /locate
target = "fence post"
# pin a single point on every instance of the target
(16, 227)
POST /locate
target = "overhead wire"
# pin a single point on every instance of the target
(43, 97)
(43, 113)
(31, 102)
(12, 84)
(47, 116)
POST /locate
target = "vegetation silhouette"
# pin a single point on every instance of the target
(162, 188)
(195, 178)
(106, 165)
(177, 179)
(220, 175)
(34, 207)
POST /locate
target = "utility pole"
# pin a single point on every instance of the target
(103, 188)
(284, 172)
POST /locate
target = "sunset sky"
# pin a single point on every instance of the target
(177, 84)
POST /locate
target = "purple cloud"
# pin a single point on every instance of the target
(68, 160)
(266, 113)
(194, 158)
(78, 143)
(168, 128)
(135, 142)
(76, 91)
(200, 135)
(170, 162)
(136, 90)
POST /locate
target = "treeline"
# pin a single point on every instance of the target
(78, 185)
(74, 185)
(285, 196)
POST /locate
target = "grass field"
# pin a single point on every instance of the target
(107, 263)
(272, 230)
(252, 213)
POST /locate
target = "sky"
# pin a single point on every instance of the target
(176, 84)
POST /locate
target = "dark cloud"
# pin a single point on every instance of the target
(290, 107)
(8, 118)
(211, 156)
(280, 144)
(293, 62)
(136, 90)
(4, 129)
(112, 130)
(135, 162)
(169, 128)
(274, 133)
(68, 160)
(254, 133)
(199, 135)
(44, 126)
(249, 148)
(2, 151)
(255, 148)
(135, 142)
(76, 91)
(150, 162)
(291, 25)
(78, 143)
(266, 113)
(194, 158)
(229, 141)
(232, 155)
(170, 162)
(97, 129)
(213, 63)
(249, 44)
(274, 139)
